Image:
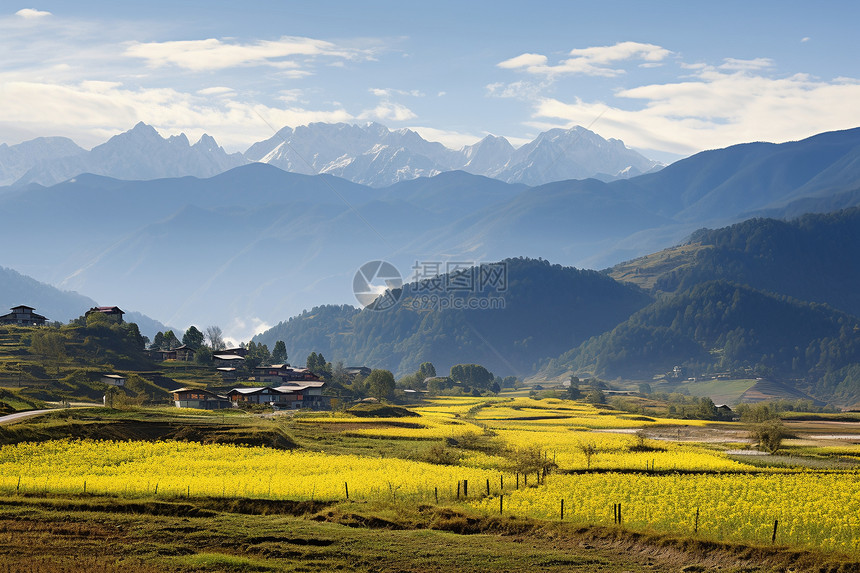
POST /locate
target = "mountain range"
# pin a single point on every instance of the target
(248, 247)
(369, 154)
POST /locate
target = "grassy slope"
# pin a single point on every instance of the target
(49, 535)
(645, 271)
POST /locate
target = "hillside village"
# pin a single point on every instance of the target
(280, 386)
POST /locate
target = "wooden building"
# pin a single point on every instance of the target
(112, 312)
(23, 315)
(201, 399)
(282, 373)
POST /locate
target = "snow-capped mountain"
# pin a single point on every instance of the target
(369, 154)
(140, 153)
(575, 153)
(373, 155)
(16, 160)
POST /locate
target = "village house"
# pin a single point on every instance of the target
(23, 315)
(113, 312)
(113, 380)
(281, 373)
(228, 373)
(201, 399)
(291, 396)
(229, 357)
(185, 353)
(161, 355)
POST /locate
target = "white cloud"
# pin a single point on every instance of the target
(388, 92)
(755, 64)
(215, 90)
(593, 61)
(31, 13)
(805, 39)
(715, 109)
(388, 111)
(519, 90)
(92, 111)
(524, 61)
(214, 54)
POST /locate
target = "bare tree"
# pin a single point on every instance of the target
(215, 338)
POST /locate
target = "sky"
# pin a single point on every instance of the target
(667, 78)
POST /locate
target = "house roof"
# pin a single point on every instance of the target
(199, 390)
(114, 376)
(22, 306)
(304, 384)
(228, 357)
(251, 390)
(113, 309)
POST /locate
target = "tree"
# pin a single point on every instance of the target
(706, 409)
(769, 434)
(203, 355)
(158, 341)
(257, 355)
(472, 375)
(279, 353)
(426, 370)
(596, 396)
(316, 363)
(214, 336)
(51, 345)
(573, 391)
(170, 340)
(588, 450)
(193, 338)
(381, 384)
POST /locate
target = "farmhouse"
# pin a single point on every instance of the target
(113, 312)
(229, 357)
(202, 399)
(113, 380)
(291, 396)
(162, 355)
(281, 373)
(23, 316)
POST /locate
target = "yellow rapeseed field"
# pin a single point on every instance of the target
(179, 468)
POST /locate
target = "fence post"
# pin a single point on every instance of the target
(501, 497)
(465, 488)
(488, 486)
(458, 489)
(696, 530)
(346, 488)
(562, 509)
(773, 537)
(436, 494)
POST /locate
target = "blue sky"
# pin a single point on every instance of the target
(670, 78)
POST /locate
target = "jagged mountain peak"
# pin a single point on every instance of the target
(139, 153)
(368, 153)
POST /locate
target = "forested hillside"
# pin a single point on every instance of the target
(542, 310)
(814, 258)
(719, 326)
